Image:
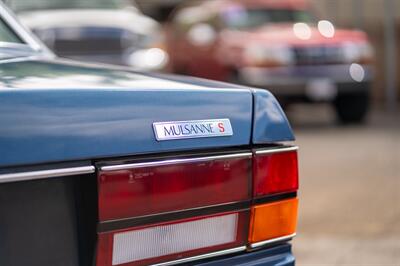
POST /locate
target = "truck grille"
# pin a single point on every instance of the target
(317, 55)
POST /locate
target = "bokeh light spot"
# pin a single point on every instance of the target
(302, 31)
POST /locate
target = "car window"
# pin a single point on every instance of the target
(241, 18)
(28, 5)
(7, 35)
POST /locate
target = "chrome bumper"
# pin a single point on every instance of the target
(297, 75)
(302, 80)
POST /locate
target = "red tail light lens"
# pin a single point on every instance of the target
(151, 188)
(172, 241)
(275, 172)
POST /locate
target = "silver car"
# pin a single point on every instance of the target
(107, 31)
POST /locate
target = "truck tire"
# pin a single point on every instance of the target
(352, 107)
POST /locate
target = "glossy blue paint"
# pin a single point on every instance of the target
(277, 256)
(270, 122)
(53, 111)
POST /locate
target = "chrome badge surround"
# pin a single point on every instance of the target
(192, 129)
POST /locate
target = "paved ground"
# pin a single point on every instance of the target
(350, 189)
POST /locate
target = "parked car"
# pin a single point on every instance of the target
(279, 45)
(106, 166)
(107, 31)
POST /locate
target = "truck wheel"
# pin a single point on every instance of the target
(352, 107)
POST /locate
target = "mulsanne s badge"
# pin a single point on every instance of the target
(192, 129)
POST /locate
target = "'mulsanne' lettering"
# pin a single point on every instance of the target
(188, 129)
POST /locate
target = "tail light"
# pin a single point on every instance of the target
(272, 220)
(147, 188)
(275, 172)
(177, 210)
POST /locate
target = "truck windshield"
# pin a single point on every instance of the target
(26, 5)
(241, 18)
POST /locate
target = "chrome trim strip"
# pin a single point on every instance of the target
(205, 256)
(118, 224)
(277, 150)
(14, 177)
(174, 161)
(270, 241)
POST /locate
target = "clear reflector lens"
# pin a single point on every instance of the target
(187, 238)
(173, 238)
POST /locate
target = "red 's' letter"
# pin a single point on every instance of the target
(221, 127)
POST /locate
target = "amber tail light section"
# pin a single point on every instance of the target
(273, 220)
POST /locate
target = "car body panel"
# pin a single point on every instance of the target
(269, 123)
(60, 111)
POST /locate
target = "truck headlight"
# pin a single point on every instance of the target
(276, 55)
(357, 52)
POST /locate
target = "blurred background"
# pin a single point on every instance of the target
(332, 64)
